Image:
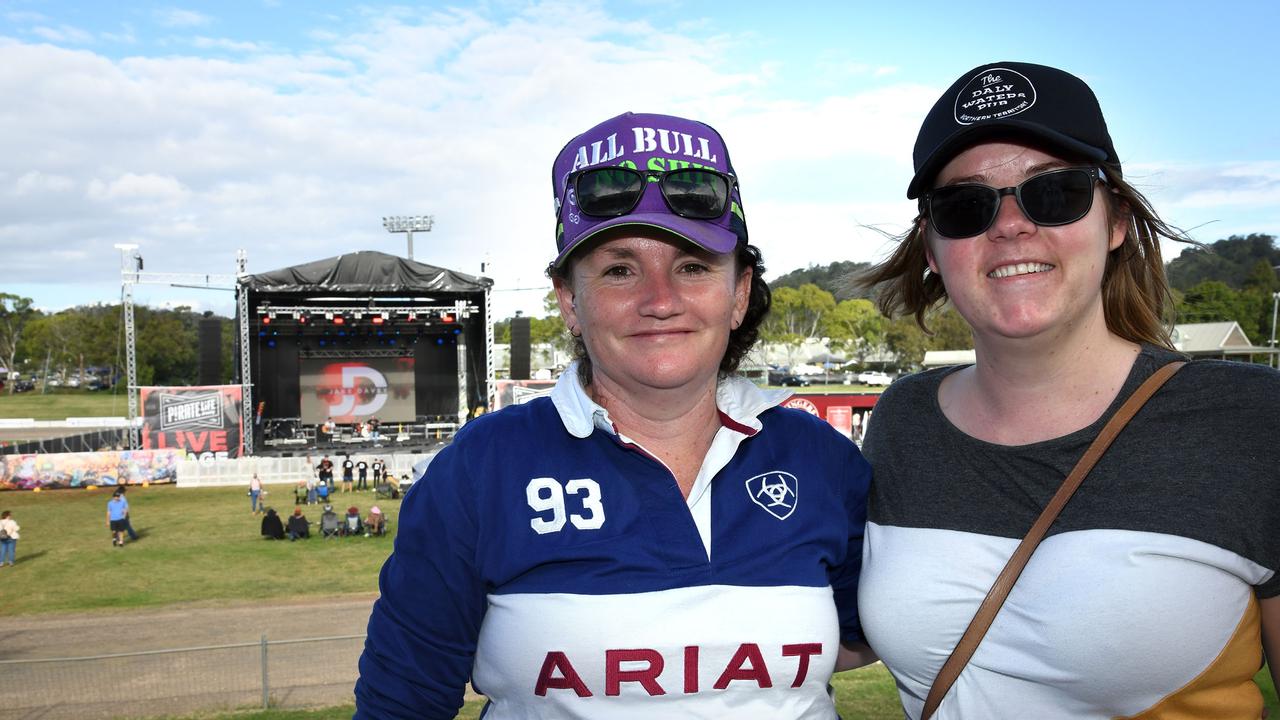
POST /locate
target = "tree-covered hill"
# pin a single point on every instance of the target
(1231, 261)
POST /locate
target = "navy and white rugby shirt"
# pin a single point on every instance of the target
(555, 563)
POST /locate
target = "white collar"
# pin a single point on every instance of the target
(739, 401)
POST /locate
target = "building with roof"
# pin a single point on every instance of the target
(1220, 341)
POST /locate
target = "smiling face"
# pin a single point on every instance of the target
(654, 313)
(1017, 279)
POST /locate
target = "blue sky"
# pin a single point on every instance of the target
(288, 129)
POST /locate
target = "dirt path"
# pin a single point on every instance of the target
(300, 674)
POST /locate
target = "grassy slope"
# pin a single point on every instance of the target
(60, 404)
(203, 542)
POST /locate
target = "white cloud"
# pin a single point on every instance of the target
(295, 156)
(180, 18)
(36, 183)
(63, 34)
(133, 188)
(206, 43)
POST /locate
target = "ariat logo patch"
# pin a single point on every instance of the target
(776, 492)
(993, 94)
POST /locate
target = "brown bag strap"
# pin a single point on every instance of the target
(995, 598)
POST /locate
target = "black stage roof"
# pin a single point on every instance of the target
(365, 272)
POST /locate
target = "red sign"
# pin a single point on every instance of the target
(846, 412)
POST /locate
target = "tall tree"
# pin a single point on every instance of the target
(949, 331)
(855, 327)
(15, 313)
(797, 315)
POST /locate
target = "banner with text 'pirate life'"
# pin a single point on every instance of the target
(204, 422)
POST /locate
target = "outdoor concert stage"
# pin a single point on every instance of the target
(361, 336)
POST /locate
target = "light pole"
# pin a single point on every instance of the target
(1275, 304)
(129, 277)
(408, 224)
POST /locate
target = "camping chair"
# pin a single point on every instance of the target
(352, 525)
(330, 525)
(386, 490)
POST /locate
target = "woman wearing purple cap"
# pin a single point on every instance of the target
(1155, 589)
(658, 538)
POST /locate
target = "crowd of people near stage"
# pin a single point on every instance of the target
(319, 489)
(330, 524)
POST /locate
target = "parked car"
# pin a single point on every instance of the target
(874, 377)
(24, 385)
(795, 381)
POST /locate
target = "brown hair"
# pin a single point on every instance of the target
(741, 339)
(1136, 300)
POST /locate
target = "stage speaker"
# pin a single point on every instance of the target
(209, 361)
(520, 348)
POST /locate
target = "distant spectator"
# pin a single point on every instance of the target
(322, 491)
(348, 467)
(362, 475)
(271, 526)
(255, 492)
(8, 538)
(300, 492)
(377, 471)
(298, 527)
(375, 524)
(312, 483)
(117, 518)
(325, 470)
(351, 524)
(128, 522)
(330, 523)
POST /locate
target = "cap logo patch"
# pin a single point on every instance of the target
(776, 492)
(993, 94)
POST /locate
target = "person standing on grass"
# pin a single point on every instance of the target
(377, 471)
(362, 475)
(128, 524)
(325, 469)
(255, 492)
(117, 518)
(8, 538)
(348, 466)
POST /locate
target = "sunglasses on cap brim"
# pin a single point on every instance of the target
(1056, 197)
(695, 193)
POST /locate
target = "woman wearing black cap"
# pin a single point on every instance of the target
(1151, 589)
(658, 538)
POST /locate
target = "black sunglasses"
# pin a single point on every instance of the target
(1056, 197)
(697, 193)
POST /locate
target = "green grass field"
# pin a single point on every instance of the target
(62, 403)
(66, 563)
(203, 541)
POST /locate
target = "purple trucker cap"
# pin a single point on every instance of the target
(645, 142)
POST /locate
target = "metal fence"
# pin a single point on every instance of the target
(306, 672)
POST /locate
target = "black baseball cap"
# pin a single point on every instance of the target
(1012, 99)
